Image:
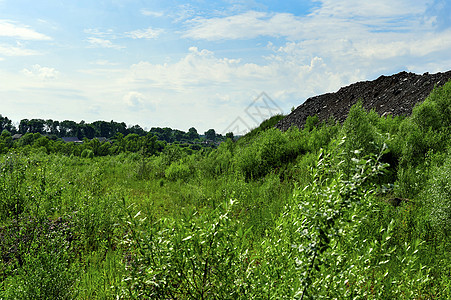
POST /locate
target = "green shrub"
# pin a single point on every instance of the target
(359, 132)
(428, 128)
(178, 170)
(41, 255)
(197, 257)
(13, 198)
(269, 151)
(321, 136)
(437, 197)
(87, 153)
(359, 136)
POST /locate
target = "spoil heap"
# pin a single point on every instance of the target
(395, 95)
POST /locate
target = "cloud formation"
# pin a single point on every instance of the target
(134, 100)
(43, 73)
(151, 13)
(148, 33)
(103, 43)
(13, 30)
(8, 50)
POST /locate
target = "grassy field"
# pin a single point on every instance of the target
(360, 210)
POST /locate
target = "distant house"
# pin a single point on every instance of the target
(17, 136)
(71, 139)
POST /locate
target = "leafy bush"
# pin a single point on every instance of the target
(269, 151)
(437, 197)
(178, 170)
(359, 136)
(199, 257)
(428, 128)
(87, 153)
(41, 253)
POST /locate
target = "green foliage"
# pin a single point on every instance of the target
(437, 197)
(13, 198)
(268, 151)
(429, 126)
(315, 213)
(359, 132)
(87, 153)
(428, 129)
(43, 251)
(198, 257)
(178, 170)
(265, 125)
(311, 123)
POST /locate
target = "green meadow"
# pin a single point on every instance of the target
(359, 210)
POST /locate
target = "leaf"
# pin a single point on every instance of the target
(187, 238)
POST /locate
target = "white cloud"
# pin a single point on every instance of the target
(183, 12)
(370, 9)
(134, 100)
(331, 19)
(197, 68)
(243, 26)
(104, 62)
(150, 13)
(103, 43)
(43, 73)
(97, 32)
(148, 33)
(9, 50)
(11, 29)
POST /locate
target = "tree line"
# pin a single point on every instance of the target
(81, 130)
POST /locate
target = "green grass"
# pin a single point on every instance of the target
(301, 214)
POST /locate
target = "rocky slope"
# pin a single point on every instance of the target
(395, 95)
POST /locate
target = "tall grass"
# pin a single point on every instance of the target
(359, 210)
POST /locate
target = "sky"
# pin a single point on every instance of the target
(221, 64)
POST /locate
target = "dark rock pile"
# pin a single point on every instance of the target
(395, 95)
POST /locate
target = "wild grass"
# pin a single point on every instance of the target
(329, 211)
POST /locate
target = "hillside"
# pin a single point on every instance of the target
(395, 95)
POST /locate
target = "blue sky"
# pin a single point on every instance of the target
(202, 63)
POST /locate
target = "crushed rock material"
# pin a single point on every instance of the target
(395, 95)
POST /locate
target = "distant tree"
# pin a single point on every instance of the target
(51, 127)
(137, 130)
(119, 142)
(192, 134)
(105, 129)
(229, 135)
(166, 135)
(210, 134)
(36, 125)
(89, 131)
(6, 124)
(68, 128)
(6, 141)
(178, 135)
(132, 142)
(151, 145)
(121, 128)
(23, 126)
